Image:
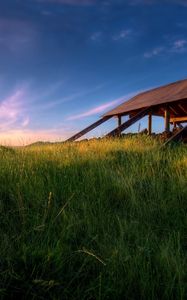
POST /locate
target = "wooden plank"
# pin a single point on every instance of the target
(128, 123)
(178, 119)
(178, 136)
(87, 129)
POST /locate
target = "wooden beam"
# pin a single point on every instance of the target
(130, 122)
(178, 119)
(150, 123)
(173, 110)
(87, 129)
(182, 108)
(179, 136)
(167, 120)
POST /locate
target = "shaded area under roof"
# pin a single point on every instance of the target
(172, 92)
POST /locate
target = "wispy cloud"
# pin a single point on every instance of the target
(96, 36)
(94, 111)
(26, 122)
(12, 112)
(101, 108)
(123, 34)
(15, 127)
(54, 102)
(154, 52)
(18, 110)
(178, 46)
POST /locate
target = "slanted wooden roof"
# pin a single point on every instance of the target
(172, 92)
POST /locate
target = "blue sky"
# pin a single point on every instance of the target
(63, 63)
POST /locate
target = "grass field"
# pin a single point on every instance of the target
(103, 219)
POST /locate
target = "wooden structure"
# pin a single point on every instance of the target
(168, 101)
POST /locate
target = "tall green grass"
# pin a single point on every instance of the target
(102, 219)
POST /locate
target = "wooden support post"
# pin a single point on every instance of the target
(167, 120)
(119, 124)
(150, 123)
(119, 120)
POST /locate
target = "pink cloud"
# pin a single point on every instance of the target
(15, 122)
(12, 111)
(10, 107)
(17, 109)
(26, 122)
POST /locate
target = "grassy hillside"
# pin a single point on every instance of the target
(101, 219)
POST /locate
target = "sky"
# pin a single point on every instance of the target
(64, 63)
